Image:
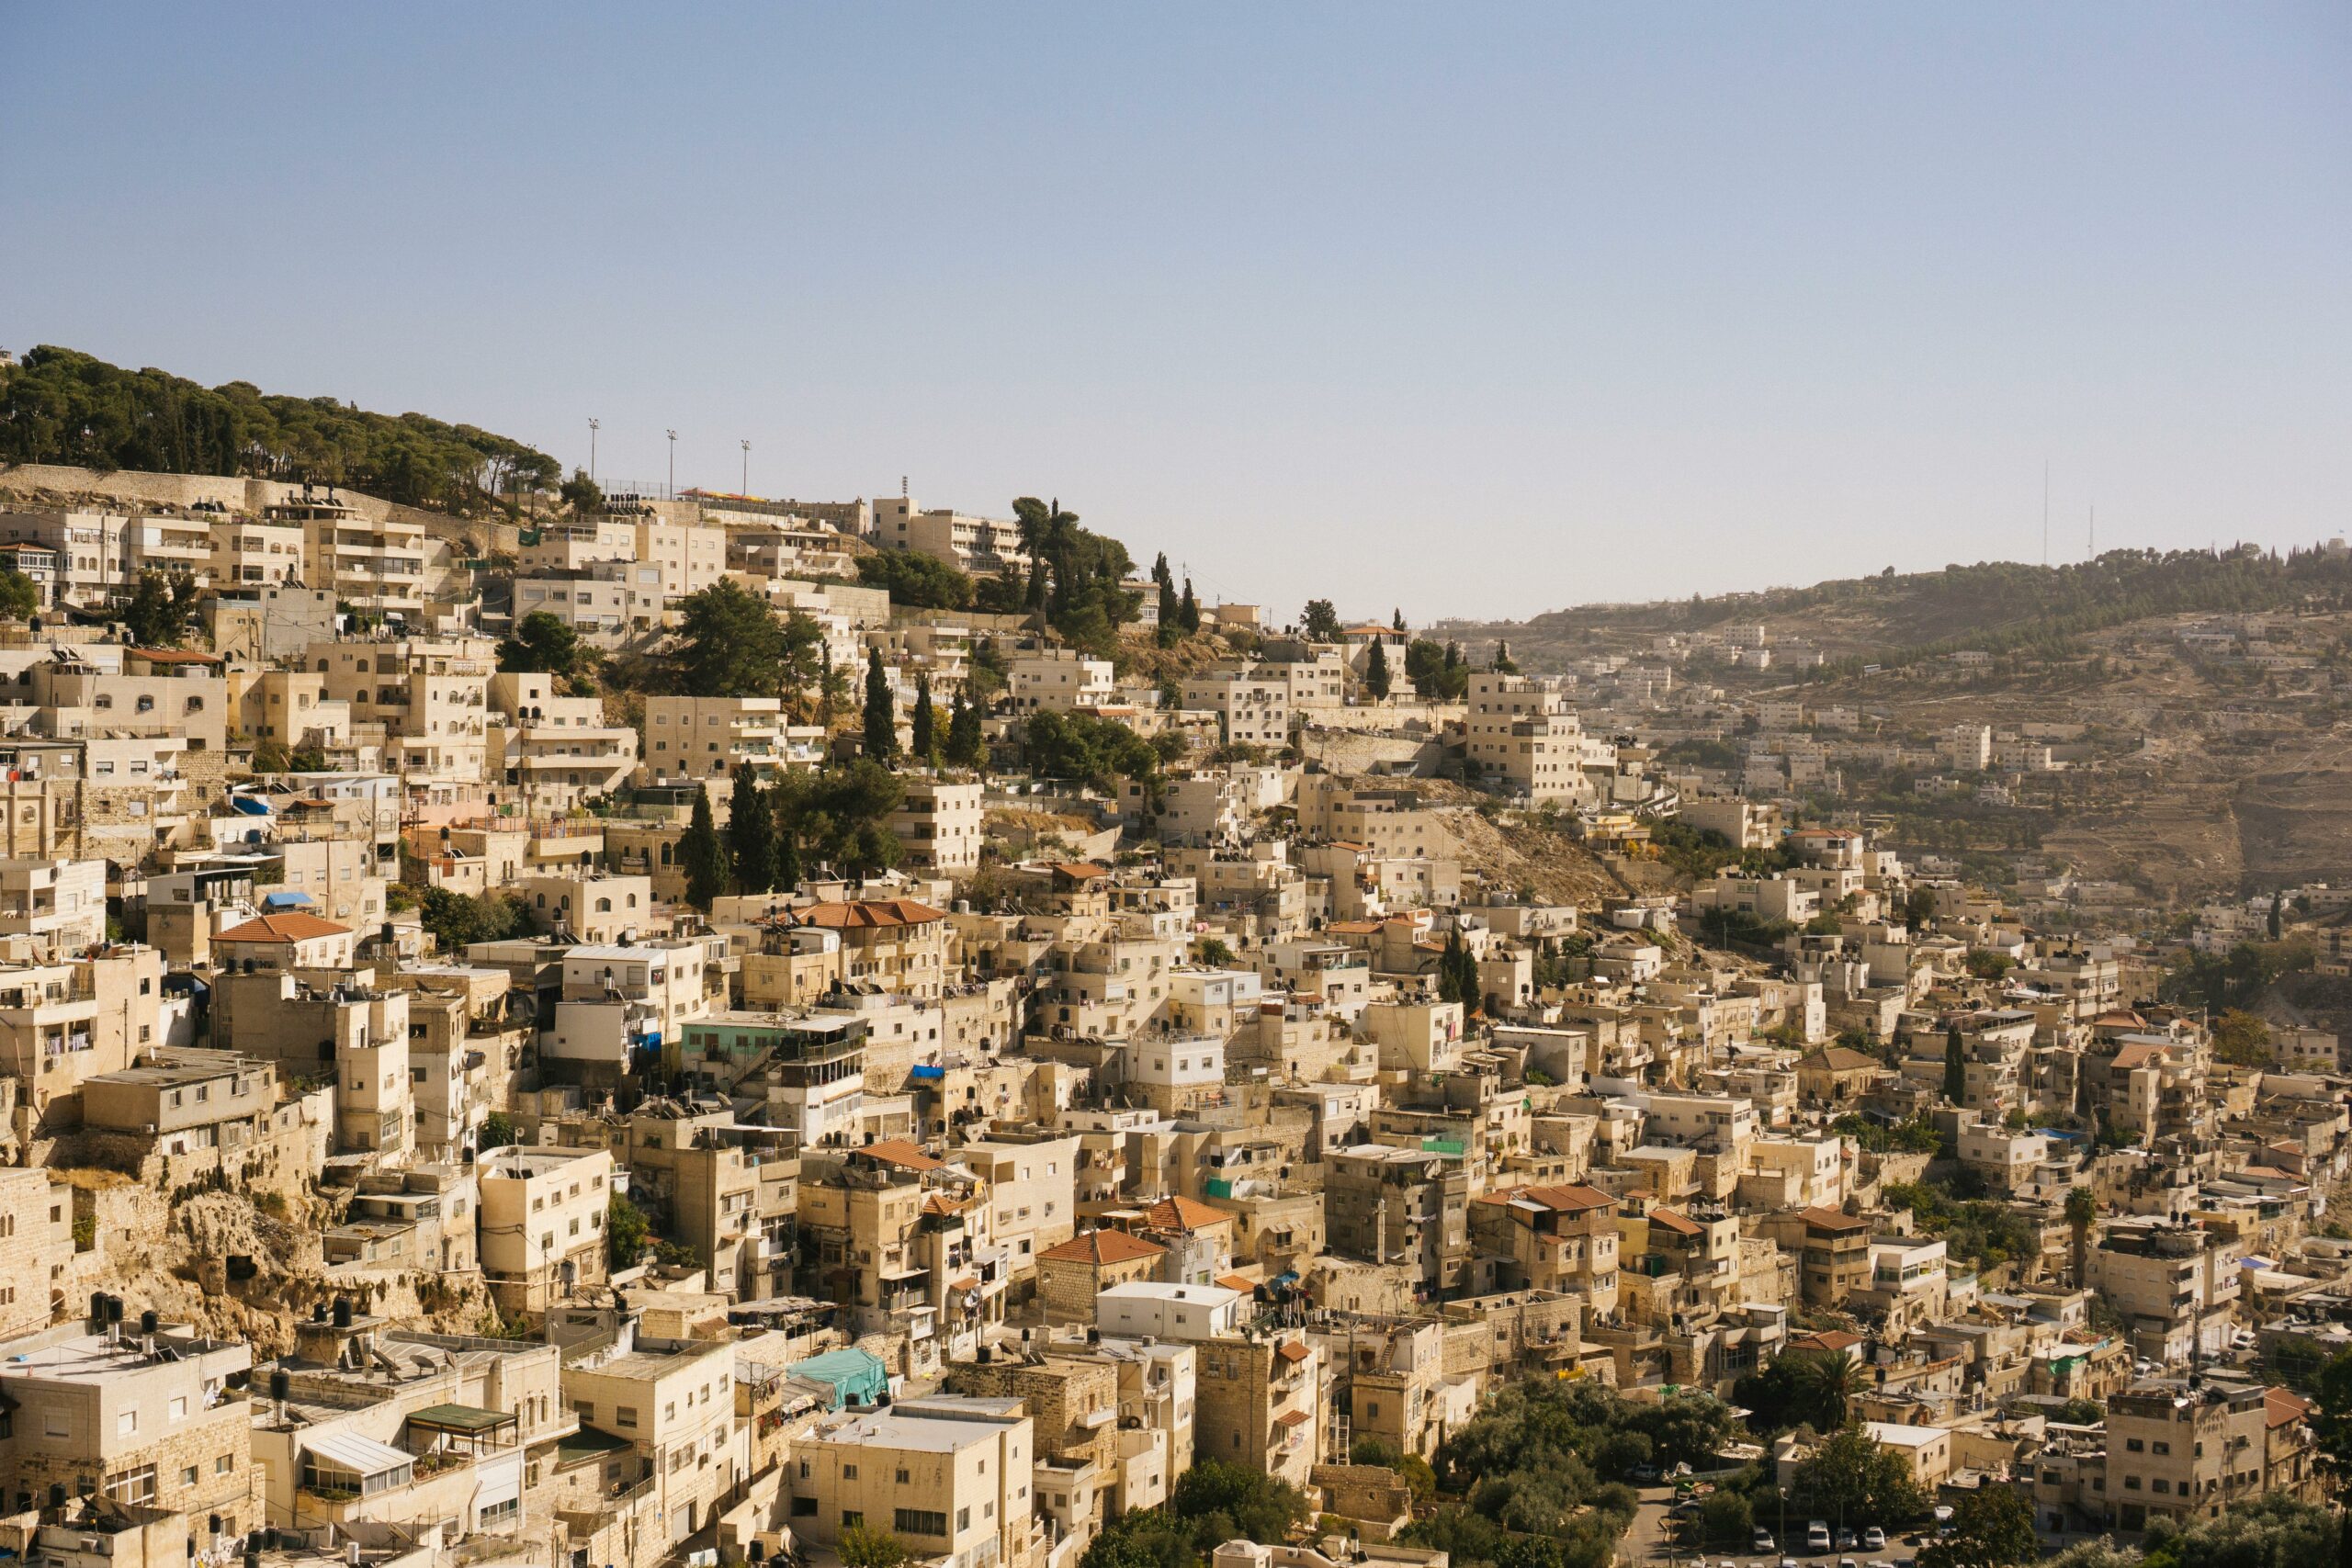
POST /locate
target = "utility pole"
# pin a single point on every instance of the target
(747, 467)
(2045, 511)
(673, 479)
(594, 425)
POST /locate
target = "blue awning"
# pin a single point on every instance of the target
(286, 900)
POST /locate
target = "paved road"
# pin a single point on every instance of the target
(1644, 1540)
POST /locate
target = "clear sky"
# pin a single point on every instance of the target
(1473, 309)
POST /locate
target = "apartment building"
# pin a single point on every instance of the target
(980, 545)
(137, 1412)
(940, 824)
(2174, 1286)
(1059, 679)
(675, 1409)
(1403, 1206)
(950, 1476)
(375, 566)
(53, 906)
(542, 1223)
(1558, 1239)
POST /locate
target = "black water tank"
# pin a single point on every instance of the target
(216, 1524)
(57, 1494)
(150, 1320)
(342, 1312)
(281, 1383)
(97, 1309)
(114, 1309)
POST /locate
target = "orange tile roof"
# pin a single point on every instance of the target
(1293, 1350)
(1078, 870)
(2282, 1408)
(1291, 1418)
(287, 928)
(870, 914)
(2138, 1055)
(1825, 1339)
(1241, 1282)
(1182, 1214)
(1676, 1222)
(899, 1151)
(1834, 1220)
(1099, 1247)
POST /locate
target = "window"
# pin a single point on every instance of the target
(179, 1407)
(226, 1464)
(903, 1474)
(2161, 1447)
(963, 1519)
(624, 1415)
(921, 1521)
(852, 1517)
(187, 1476)
(849, 1472)
(803, 1508)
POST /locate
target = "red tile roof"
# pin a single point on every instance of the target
(1833, 1220)
(2282, 1408)
(1293, 1350)
(1181, 1213)
(288, 928)
(1099, 1247)
(1676, 1222)
(899, 1151)
(870, 914)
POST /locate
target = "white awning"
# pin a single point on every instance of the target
(361, 1456)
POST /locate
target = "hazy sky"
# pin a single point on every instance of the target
(1476, 310)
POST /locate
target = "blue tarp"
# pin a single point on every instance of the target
(249, 804)
(921, 1071)
(286, 900)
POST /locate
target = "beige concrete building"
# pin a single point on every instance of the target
(543, 1223)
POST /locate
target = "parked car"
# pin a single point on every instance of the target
(1846, 1542)
(1644, 1473)
(1816, 1537)
(1874, 1539)
(1763, 1542)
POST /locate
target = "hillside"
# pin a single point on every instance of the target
(64, 407)
(1996, 607)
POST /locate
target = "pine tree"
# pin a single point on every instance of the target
(1503, 664)
(1188, 609)
(1955, 1067)
(1375, 674)
(881, 713)
(703, 857)
(1397, 620)
(751, 834)
(925, 747)
(965, 748)
(1453, 656)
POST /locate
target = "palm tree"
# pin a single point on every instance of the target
(1828, 1380)
(2082, 1209)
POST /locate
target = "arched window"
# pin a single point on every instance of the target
(605, 906)
(665, 854)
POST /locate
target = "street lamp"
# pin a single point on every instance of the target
(747, 467)
(673, 465)
(594, 425)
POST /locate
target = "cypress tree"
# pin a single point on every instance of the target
(925, 748)
(1955, 1067)
(963, 744)
(751, 834)
(1188, 610)
(881, 713)
(1170, 611)
(703, 857)
(1375, 674)
(783, 839)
